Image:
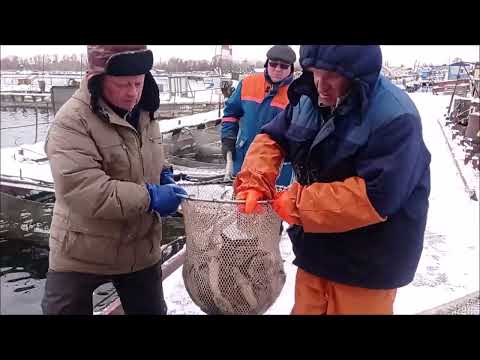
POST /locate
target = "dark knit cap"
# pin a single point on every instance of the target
(282, 53)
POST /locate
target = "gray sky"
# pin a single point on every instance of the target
(394, 54)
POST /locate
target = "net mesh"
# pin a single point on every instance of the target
(233, 263)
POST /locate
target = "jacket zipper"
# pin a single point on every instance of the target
(309, 154)
(124, 147)
(143, 177)
(138, 145)
(140, 153)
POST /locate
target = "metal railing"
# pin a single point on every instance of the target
(168, 109)
(36, 124)
(165, 96)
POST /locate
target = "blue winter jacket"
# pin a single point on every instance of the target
(375, 134)
(254, 103)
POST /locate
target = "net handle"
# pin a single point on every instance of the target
(186, 197)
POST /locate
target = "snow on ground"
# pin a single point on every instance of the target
(449, 266)
(190, 120)
(14, 164)
(196, 96)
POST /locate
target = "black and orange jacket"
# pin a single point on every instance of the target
(255, 102)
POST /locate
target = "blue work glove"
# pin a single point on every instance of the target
(164, 199)
(166, 176)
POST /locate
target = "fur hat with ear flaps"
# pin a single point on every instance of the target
(122, 60)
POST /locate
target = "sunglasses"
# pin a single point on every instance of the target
(275, 64)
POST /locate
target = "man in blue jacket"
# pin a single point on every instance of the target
(358, 209)
(256, 101)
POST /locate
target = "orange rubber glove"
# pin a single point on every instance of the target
(284, 206)
(251, 198)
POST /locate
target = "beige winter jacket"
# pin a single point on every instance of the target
(100, 223)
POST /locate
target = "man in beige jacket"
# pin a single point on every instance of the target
(106, 155)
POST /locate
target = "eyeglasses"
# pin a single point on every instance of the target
(275, 64)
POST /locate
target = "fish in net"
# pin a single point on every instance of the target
(233, 264)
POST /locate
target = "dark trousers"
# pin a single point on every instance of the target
(70, 293)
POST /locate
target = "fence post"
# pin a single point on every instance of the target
(219, 104)
(36, 124)
(48, 111)
(193, 105)
(174, 101)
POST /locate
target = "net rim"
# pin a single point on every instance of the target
(187, 197)
(223, 201)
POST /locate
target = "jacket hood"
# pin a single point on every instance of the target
(360, 64)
